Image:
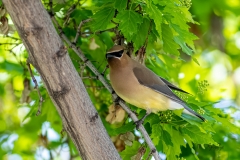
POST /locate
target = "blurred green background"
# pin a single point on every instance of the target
(26, 136)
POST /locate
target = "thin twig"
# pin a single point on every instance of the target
(103, 73)
(70, 10)
(114, 22)
(88, 77)
(142, 130)
(51, 5)
(38, 90)
(149, 30)
(9, 43)
(82, 68)
(109, 88)
(138, 6)
(79, 29)
(149, 155)
(51, 12)
(14, 38)
(96, 87)
(15, 55)
(142, 50)
(99, 32)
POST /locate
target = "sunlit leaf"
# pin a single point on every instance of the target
(129, 21)
(102, 18)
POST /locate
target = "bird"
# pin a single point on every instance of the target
(141, 87)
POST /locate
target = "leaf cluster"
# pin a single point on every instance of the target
(159, 26)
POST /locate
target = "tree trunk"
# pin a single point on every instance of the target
(48, 55)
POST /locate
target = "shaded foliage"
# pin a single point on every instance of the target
(207, 68)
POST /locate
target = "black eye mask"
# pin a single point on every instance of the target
(117, 54)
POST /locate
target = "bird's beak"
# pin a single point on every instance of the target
(109, 56)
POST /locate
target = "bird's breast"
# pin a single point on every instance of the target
(129, 89)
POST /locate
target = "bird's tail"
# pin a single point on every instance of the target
(187, 110)
(193, 113)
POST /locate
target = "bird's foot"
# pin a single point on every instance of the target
(116, 101)
(140, 121)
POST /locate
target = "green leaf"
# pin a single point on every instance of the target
(58, 7)
(192, 119)
(73, 150)
(152, 119)
(194, 153)
(120, 4)
(167, 138)
(129, 22)
(130, 151)
(13, 68)
(227, 125)
(169, 46)
(183, 45)
(123, 129)
(177, 140)
(187, 14)
(101, 3)
(185, 35)
(156, 133)
(159, 135)
(155, 14)
(177, 15)
(153, 35)
(178, 112)
(156, 130)
(139, 39)
(146, 155)
(95, 49)
(107, 40)
(196, 136)
(31, 113)
(80, 14)
(195, 60)
(102, 18)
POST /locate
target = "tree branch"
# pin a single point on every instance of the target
(79, 29)
(49, 56)
(109, 88)
(37, 88)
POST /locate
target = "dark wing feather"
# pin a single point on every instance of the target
(170, 85)
(149, 79)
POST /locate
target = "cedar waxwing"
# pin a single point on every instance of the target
(139, 86)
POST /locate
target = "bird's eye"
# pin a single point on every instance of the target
(119, 53)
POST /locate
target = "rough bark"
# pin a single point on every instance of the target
(48, 55)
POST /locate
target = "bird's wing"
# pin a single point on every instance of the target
(149, 79)
(172, 86)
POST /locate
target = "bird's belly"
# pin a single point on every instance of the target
(146, 98)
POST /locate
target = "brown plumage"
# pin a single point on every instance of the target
(139, 86)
